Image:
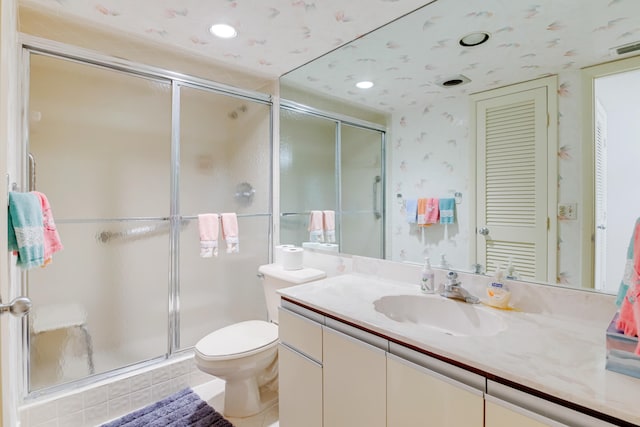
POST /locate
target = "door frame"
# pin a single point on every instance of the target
(587, 233)
(9, 131)
(551, 83)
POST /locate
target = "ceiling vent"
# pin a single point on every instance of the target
(626, 48)
(452, 81)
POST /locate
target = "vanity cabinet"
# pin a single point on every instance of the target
(354, 382)
(506, 407)
(417, 396)
(300, 371)
(336, 375)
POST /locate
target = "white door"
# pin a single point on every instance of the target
(9, 114)
(515, 168)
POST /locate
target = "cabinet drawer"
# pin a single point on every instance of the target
(302, 334)
(499, 413)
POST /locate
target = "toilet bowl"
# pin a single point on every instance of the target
(245, 354)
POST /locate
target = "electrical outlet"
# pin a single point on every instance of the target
(568, 211)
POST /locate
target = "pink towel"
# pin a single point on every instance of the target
(629, 318)
(52, 243)
(329, 226)
(208, 229)
(433, 211)
(230, 232)
(316, 227)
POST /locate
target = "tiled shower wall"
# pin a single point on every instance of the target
(101, 402)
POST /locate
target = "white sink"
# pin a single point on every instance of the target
(438, 313)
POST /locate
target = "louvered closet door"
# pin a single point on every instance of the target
(512, 182)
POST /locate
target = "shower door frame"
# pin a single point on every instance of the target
(29, 45)
(339, 120)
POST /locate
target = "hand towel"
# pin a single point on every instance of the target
(629, 318)
(447, 210)
(51, 243)
(26, 232)
(411, 210)
(230, 232)
(329, 226)
(208, 229)
(422, 212)
(433, 211)
(316, 231)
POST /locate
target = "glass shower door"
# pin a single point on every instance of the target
(362, 191)
(102, 157)
(307, 172)
(225, 167)
(327, 164)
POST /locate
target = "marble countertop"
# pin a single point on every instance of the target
(558, 355)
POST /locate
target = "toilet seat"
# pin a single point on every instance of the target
(238, 340)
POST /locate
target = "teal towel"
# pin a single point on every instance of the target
(26, 230)
(447, 210)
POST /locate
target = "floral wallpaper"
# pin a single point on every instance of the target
(529, 39)
(429, 157)
(429, 143)
(274, 36)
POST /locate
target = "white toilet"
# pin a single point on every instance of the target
(245, 354)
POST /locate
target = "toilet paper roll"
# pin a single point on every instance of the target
(277, 254)
(328, 247)
(311, 245)
(292, 258)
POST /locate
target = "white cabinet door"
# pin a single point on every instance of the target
(300, 383)
(499, 413)
(354, 376)
(417, 396)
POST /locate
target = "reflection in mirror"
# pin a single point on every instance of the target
(327, 164)
(429, 134)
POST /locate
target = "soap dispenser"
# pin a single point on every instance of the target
(497, 292)
(444, 264)
(511, 271)
(427, 285)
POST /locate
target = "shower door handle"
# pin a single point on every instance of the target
(19, 307)
(376, 211)
(32, 172)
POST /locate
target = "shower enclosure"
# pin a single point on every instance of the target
(128, 156)
(332, 162)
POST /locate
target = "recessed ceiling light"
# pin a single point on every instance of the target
(454, 81)
(474, 39)
(223, 31)
(364, 84)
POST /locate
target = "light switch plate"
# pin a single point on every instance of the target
(568, 211)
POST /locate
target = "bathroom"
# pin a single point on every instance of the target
(234, 112)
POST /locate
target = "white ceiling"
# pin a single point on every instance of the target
(275, 36)
(529, 39)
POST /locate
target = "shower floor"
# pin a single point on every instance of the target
(48, 372)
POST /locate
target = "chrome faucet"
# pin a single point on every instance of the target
(453, 289)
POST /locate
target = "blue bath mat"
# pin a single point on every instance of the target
(183, 409)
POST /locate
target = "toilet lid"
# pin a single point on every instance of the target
(244, 337)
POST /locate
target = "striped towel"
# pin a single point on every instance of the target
(26, 229)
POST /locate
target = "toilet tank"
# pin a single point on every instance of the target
(276, 277)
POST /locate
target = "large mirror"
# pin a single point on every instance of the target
(430, 139)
